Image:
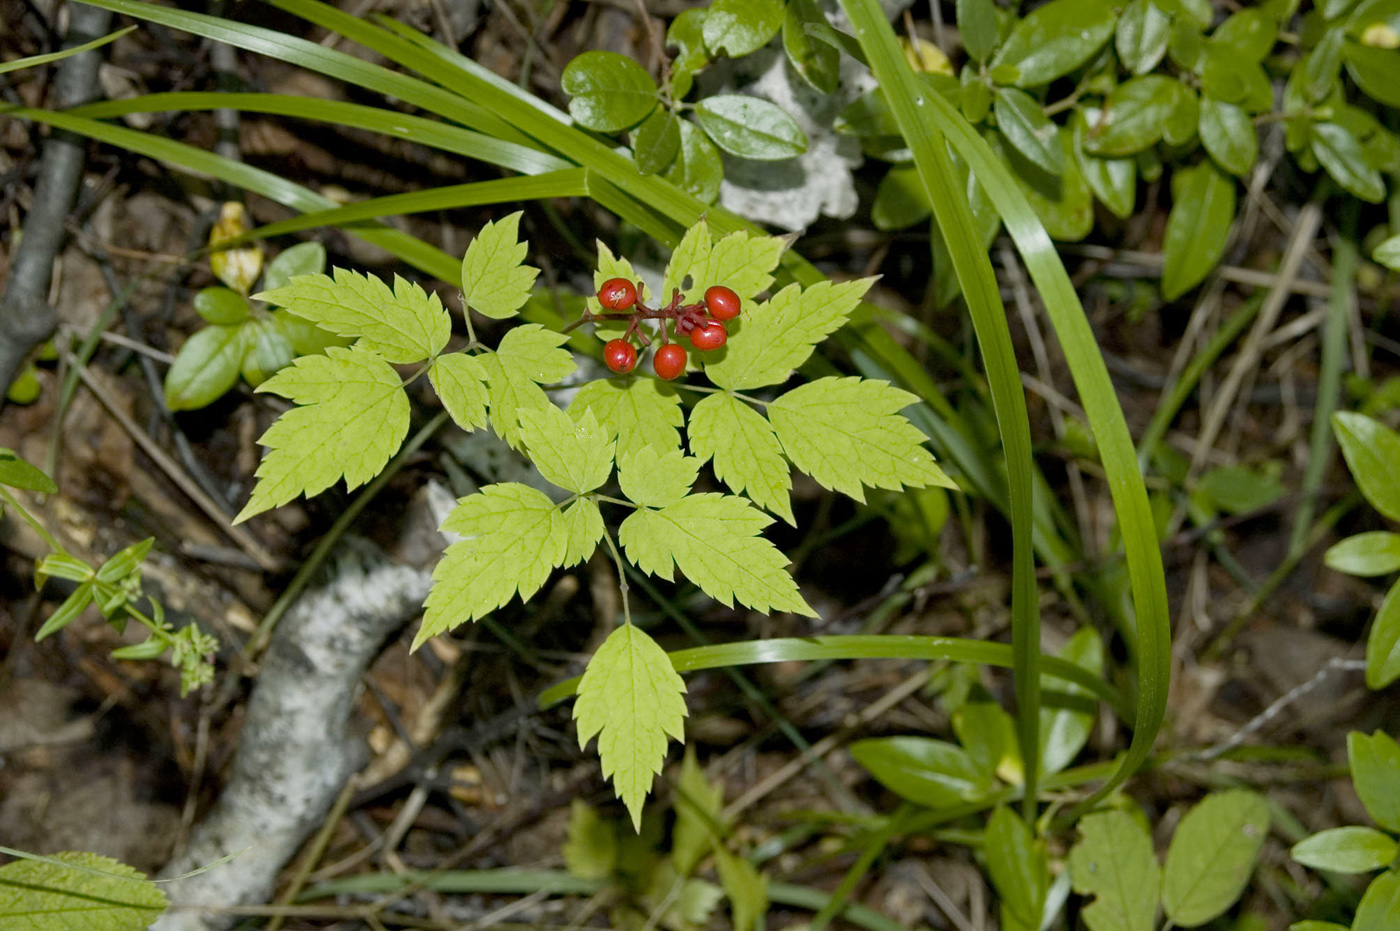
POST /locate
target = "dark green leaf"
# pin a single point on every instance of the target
(929, 772)
(1373, 553)
(656, 141)
(697, 168)
(609, 92)
(1227, 77)
(1212, 855)
(976, 98)
(818, 61)
(1331, 9)
(1383, 645)
(1018, 866)
(738, 27)
(1322, 65)
(1142, 35)
(1311, 925)
(750, 128)
(1024, 124)
(205, 368)
(146, 649)
(1065, 206)
(1180, 127)
(1229, 136)
(306, 337)
(1113, 180)
(1351, 849)
(686, 33)
(1375, 773)
(900, 200)
(221, 305)
(1249, 33)
(1380, 906)
(1055, 39)
(1239, 489)
(1203, 207)
(1187, 46)
(987, 733)
(1340, 152)
(977, 24)
(1198, 13)
(1372, 452)
(305, 258)
(17, 473)
(1375, 70)
(1133, 116)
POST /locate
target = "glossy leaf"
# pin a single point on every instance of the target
(738, 27)
(1375, 70)
(1340, 152)
(1249, 33)
(608, 92)
(750, 127)
(1066, 208)
(1212, 856)
(1374, 553)
(1024, 124)
(1372, 452)
(305, 258)
(1203, 209)
(933, 773)
(1229, 136)
(1383, 644)
(1388, 253)
(900, 199)
(686, 34)
(1133, 116)
(1113, 180)
(1141, 36)
(697, 168)
(205, 368)
(1114, 862)
(818, 61)
(1018, 866)
(1350, 849)
(267, 350)
(1055, 39)
(1065, 730)
(656, 142)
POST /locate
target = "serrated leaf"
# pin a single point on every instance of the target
(630, 699)
(656, 141)
(1351, 849)
(16, 473)
(1373, 553)
(1055, 39)
(713, 539)
(591, 850)
(512, 537)
(612, 266)
(576, 455)
(740, 261)
(1203, 209)
(1375, 772)
(656, 478)
(698, 825)
(608, 92)
(495, 282)
(697, 168)
(746, 888)
(1212, 855)
(738, 27)
(1114, 862)
(352, 418)
(846, 433)
(1383, 643)
(460, 383)
(750, 127)
(205, 368)
(774, 337)
(1017, 863)
(223, 306)
(641, 411)
(583, 525)
(527, 357)
(746, 452)
(44, 895)
(404, 325)
(305, 258)
(1372, 452)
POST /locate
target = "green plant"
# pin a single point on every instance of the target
(75, 891)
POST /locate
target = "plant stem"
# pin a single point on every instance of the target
(621, 577)
(31, 520)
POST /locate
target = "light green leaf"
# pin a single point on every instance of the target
(698, 824)
(640, 411)
(1203, 209)
(1141, 35)
(697, 168)
(1239, 489)
(495, 283)
(746, 453)
(1024, 124)
(576, 455)
(750, 127)
(1351, 849)
(68, 611)
(403, 325)
(223, 306)
(1065, 730)
(900, 199)
(267, 350)
(738, 27)
(1372, 452)
(1114, 862)
(1229, 136)
(656, 478)
(352, 418)
(740, 261)
(771, 339)
(1383, 644)
(305, 258)
(978, 27)
(1212, 855)
(16, 473)
(714, 541)
(929, 772)
(1341, 154)
(583, 524)
(527, 357)
(205, 368)
(1017, 863)
(1133, 116)
(746, 888)
(512, 538)
(847, 432)
(1311, 925)
(630, 699)
(656, 141)
(98, 892)
(591, 850)
(988, 734)
(1055, 39)
(1373, 553)
(818, 61)
(306, 337)
(34, 61)
(1380, 906)
(1388, 253)
(1228, 77)
(608, 92)
(460, 383)
(1375, 772)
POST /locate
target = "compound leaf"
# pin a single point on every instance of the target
(714, 541)
(460, 383)
(404, 325)
(583, 525)
(630, 699)
(512, 537)
(740, 261)
(1114, 862)
(655, 478)
(91, 892)
(591, 850)
(573, 454)
(495, 282)
(746, 452)
(846, 432)
(527, 357)
(641, 411)
(352, 417)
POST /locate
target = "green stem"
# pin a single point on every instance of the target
(621, 576)
(31, 520)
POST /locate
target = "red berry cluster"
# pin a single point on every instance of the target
(703, 323)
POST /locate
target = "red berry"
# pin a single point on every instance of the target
(620, 356)
(617, 294)
(669, 361)
(709, 335)
(721, 302)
